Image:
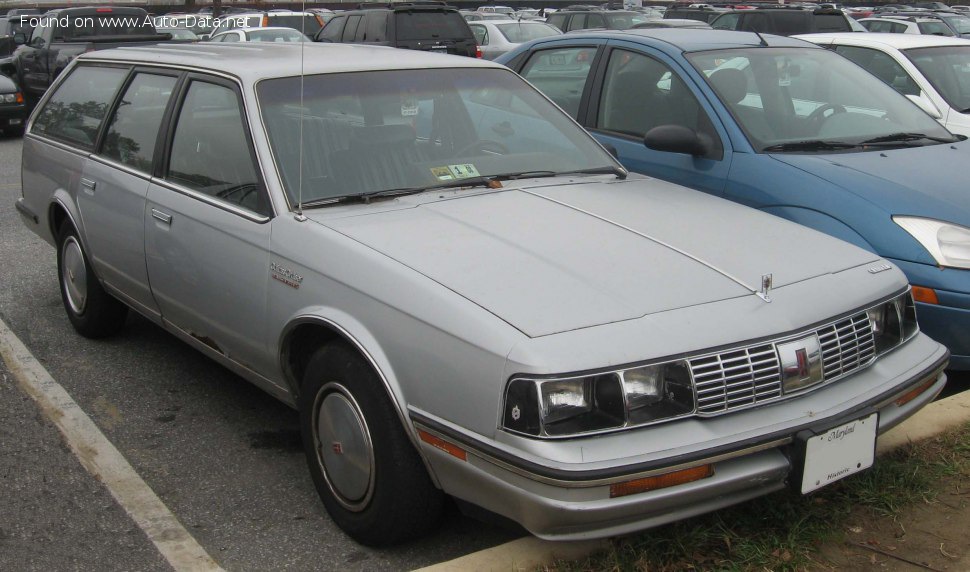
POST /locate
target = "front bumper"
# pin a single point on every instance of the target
(752, 453)
(949, 321)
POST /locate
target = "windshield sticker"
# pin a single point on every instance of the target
(464, 171)
(442, 173)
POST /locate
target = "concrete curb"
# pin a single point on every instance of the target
(530, 553)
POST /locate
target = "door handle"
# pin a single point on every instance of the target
(165, 218)
(88, 185)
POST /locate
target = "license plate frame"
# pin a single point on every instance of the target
(838, 452)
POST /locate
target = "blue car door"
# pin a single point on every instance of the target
(636, 89)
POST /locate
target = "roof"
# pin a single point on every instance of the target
(696, 39)
(898, 41)
(253, 61)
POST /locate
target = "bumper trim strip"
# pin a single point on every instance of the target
(599, 477)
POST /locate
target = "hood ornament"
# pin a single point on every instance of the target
(765, 287)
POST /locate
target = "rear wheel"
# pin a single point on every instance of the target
(364, 467)
(93, 312)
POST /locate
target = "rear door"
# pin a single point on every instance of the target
(207, 226)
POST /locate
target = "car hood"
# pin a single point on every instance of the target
(918, 181)
(553, 258)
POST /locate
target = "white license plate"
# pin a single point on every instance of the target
(439, 49)
(839, 452)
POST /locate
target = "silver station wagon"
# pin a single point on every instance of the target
(461, 292)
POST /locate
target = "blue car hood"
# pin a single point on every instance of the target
(926, 181)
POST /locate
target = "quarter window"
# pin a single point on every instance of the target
(75, 112)
(133, 128)
(210, 149)
(561, 74)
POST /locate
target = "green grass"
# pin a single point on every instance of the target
(781, 531)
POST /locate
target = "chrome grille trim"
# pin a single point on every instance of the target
(751, 375)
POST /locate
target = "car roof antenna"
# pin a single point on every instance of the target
(764, 42)
(299, 193)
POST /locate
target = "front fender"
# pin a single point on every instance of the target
(821, 222)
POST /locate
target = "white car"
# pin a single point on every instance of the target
(932, 71)
(497, 38)
(276, 34)
(909, 25)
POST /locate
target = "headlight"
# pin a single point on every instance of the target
(947, 243)
(9, 97)
(576, 405)
(893, 322)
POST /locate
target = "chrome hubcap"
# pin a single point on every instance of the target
(74, 275)
(343, 445)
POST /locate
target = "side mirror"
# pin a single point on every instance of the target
(675, 139)
(20, 38)
(924, 103)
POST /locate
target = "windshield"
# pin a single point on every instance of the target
(369, 132)
(948, 70)
(520, 32)
(797, 95)
(959, 23)
(934, 28)
(278, 35)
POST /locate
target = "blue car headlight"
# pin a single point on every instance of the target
(947, 243)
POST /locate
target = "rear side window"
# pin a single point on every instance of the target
(557, 20)
(425, 25)
(375, 27)
(75, 112)
(133, 129)
(350, 32)
(210, 149)
(831, 23)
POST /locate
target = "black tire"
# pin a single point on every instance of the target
(365, 469)
(93, 312)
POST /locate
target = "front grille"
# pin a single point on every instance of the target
(741, 377)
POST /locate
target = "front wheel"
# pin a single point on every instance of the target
(93, 312)
(364, 467)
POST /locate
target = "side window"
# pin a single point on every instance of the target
(350, 31)
(726, 22)
(899, 29)
(556, 20)
(231, 37)
(210, 148)
(595, 21)
(133, 128)
(640, 93)
(333, 29)
(481, 34)
(754, 23)
(881, 65)
(577, 22)
(561, 74)
(376, 27)
(76, 110)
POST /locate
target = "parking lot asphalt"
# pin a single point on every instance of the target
(223, 456)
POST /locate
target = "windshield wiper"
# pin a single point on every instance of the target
(480, 181)
(810, 145)
(904, 137)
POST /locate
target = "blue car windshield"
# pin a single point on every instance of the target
(362, 133)
(789, 98)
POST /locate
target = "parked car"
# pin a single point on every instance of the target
(933, 72)
(907, 25)
(476, 16)
(496, 38)
(178, 34)
(706, 15)
(461, 291)
(38, 62)
(787, 22)
(270, 34)
(569, 20)
(308, 23)
(426, 27)
(959, 23)
(784, 126)
(13, 111)
(199, 24)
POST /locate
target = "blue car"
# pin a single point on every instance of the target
(784, 126)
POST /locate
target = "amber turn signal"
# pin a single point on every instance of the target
(439, 443)
(661, 481)
(915, 393)
(925, 295)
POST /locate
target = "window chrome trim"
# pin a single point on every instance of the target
(797, 334)
(208, 199)
(55, 143)
(120, 166)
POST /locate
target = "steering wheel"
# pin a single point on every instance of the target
(484, 145)
(819, 114)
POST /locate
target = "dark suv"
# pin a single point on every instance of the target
(784, 22)
(584, 19)
(434, 28)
